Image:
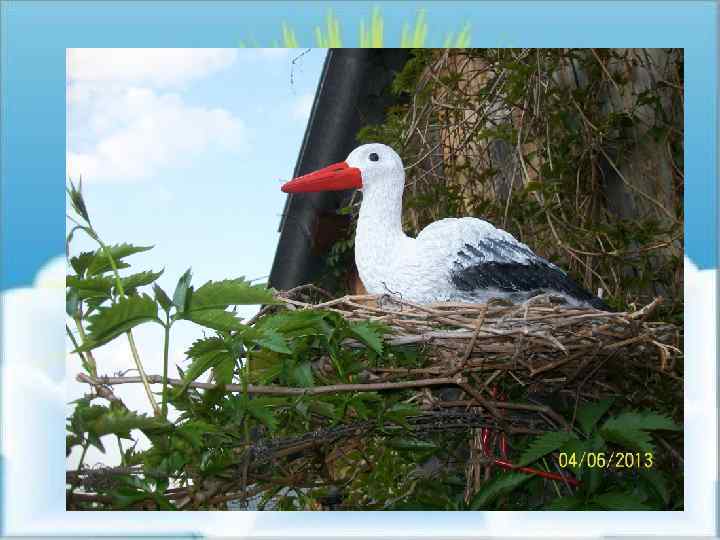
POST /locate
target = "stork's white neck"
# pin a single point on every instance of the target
(379, 239)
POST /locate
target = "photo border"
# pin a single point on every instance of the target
(35, 36)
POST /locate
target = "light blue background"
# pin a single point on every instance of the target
(36, 34)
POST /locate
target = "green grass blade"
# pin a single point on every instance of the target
(377, 29)
(420, 30)
(405, 42)
(463, 39)
(289, 39)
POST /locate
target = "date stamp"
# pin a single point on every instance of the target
(605, 460)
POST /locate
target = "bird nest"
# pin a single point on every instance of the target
(539, 351)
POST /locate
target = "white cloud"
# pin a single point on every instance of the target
(157, 68)
(302, 106)
(137, 132)
(125, 123)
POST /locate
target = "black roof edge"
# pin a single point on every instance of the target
(351, 93)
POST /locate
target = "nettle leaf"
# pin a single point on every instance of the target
(261, 409)
(161, 297)
(302, 375)
(620, 501)
(306, 322)
(134, 281)
(230, 292)
(629, 438)
(273, 340)
(590, 413)
(109, 322)
(632, 429)
(121, 421)
(101, 262)
(200, 364)
(81, 262)
(182, 291)
(205, 345)
(94, 287)
(368, 334)
(217, 319)
(224, 370)
(501, 485)
(265, 366)
(543, 445)
(193, 431)
(646, 420)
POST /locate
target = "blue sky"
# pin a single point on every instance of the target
(187, 151)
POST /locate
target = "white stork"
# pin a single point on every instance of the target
(455, 259)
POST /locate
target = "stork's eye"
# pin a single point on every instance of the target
(374, 157)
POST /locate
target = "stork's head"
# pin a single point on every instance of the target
(367, 167)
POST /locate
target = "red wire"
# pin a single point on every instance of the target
(537, 472)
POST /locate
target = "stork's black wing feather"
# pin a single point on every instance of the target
(513, 268)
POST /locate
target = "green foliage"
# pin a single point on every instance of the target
(111, 321)
(613, 475)
(544, 444)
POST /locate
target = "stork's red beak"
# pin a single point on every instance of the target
(331, 178)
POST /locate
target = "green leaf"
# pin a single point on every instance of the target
(162, 298)
(574, 449)
(193, 431)
(590, 413)
(260, 408)
(502, 484)
(94, 287)
(631, 429)
(81, 262)
(205, 345)
(134, 281)
(101, 262)
(217, 319)
(306, 322)
(229, 292)
(224, 370)
(77, 201)
(620, 501)
(121, 421)
(182, 291)
(543, 445)
(109, 322)
(200, 365)
(273, 340)
(367, 333)
(302, 375)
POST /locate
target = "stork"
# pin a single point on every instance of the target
(455, 259)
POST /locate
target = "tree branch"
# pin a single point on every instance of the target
(276, 390)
